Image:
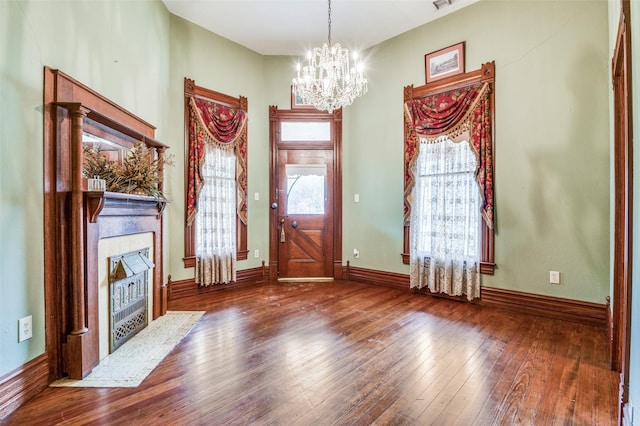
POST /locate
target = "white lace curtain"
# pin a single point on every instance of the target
(216, 219)
(445, 219)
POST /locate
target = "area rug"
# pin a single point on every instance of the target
(128, 366)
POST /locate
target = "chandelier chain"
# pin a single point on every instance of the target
(329, 22)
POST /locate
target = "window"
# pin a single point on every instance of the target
(446, 200)
(459, 107)
(445, 219)
(216, 219)
(237, 106)
(306, 188)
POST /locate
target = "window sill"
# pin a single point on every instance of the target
(486, 268)
(190, 261)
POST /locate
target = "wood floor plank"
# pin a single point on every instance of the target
(494, 390)
(464, 406)
(467, 386)
(349, 353)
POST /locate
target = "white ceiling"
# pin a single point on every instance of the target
(292, 27)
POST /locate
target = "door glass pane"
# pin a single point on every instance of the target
(305, 131)
(306, 184)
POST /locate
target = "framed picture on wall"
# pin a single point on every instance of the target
(297, 102)
(444, 63)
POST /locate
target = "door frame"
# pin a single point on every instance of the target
(623, 215)
(275, 116)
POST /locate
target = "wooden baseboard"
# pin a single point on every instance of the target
(551, 307)
(547, 306)
(381, 278)
(22, 384)
(188, 287)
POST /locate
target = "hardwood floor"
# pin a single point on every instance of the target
(350, 353)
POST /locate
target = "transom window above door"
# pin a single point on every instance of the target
(305, 131)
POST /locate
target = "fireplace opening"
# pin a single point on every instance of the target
(129, 295)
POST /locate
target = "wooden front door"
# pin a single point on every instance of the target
(305, 220)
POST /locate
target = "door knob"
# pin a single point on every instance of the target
(294, 224)
(274, 206)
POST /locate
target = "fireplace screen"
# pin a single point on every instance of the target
(129, 294)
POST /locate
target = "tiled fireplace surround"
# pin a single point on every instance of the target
(108, 247)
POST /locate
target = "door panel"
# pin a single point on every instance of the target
(305, 217)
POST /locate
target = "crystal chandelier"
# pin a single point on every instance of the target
(328, 82)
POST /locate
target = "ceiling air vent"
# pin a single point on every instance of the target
(441, 3)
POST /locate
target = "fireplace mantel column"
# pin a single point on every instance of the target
(79, 362)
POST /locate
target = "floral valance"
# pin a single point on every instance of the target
(452, 113)
(215, 124)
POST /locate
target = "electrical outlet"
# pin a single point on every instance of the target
(554, 277)
(256, 253)
(25, 330)
(356, 254)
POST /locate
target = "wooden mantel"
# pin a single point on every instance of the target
(76, 219)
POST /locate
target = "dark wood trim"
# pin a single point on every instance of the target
(70, 90)
(186, 288)
(53, 296)
(485, 74)
(191, 89)
(487, 268)
(241, 102)
(337, 194)
(609, 319)
(552, 307)
(274, 136)
(190, 261)
(535, 304)
(621, 70)
(374, 277)
(22, 384)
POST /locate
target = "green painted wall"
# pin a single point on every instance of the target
(552, 143)
(221, 65)
(104, 44)
(552, 135)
